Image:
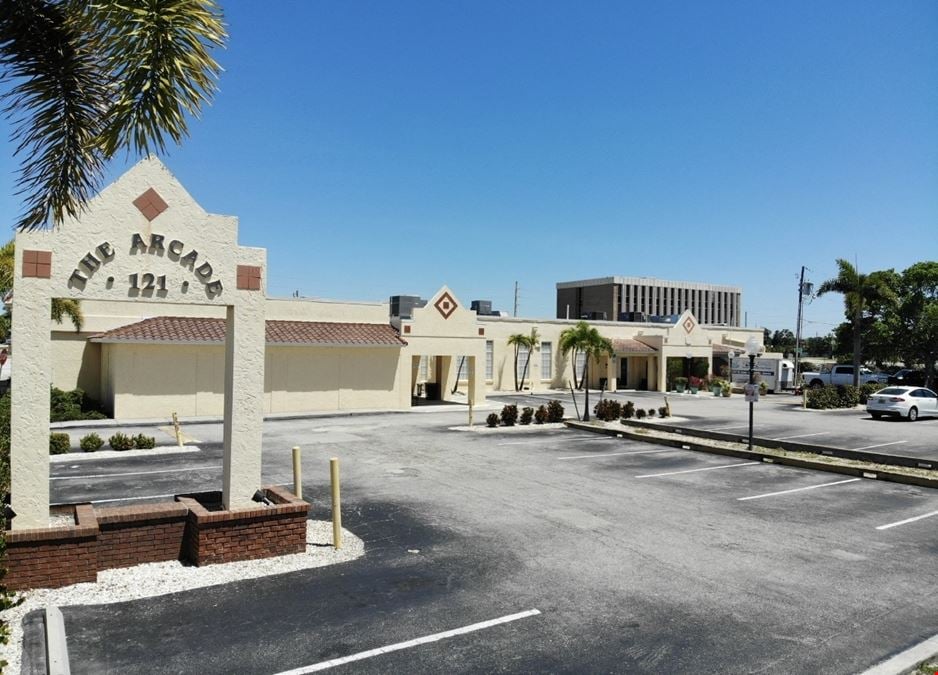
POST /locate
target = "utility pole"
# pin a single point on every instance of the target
(803, 290)
(515, 313)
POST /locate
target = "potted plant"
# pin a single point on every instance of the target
(716, 387)
(679, 384)
(694, 384)
(727, 389)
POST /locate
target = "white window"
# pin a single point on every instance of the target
(489, 359)
(523, 356)
(580, 364)
(547, 356)
(423, 369)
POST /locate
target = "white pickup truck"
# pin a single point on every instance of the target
(842, 375)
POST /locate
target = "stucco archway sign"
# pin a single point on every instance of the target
(143, 239)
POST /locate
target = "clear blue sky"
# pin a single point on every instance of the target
(377, 148)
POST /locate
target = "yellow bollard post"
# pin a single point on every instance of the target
(297, 473)
(667, 406)
(470, 412)
(336, 504)
(804, 397)
(177, 430)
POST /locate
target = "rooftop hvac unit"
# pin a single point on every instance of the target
(402, 306)
(482, 307)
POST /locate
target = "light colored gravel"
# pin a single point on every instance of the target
(482, 427)
(111, 454)
(153, 579)
(61, 520)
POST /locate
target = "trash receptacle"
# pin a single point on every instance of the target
(433, 391)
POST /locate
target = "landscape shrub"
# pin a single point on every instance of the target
(607, 410)
(59, 443)
(65, 406)
(540, 415)
(640, 413)
(628, 410)
(526, 415)
(509, 415)
(554, 411)
(91, 442)
(763, 389)
(828, 396)
(142, 442)
(492, 420)
(868, 390)
(651, 412)
(663, 411)
(121, 441)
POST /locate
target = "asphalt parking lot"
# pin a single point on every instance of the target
(540, 552)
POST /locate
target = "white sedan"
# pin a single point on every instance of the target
(908, 402)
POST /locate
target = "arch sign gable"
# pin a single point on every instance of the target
(142, 239)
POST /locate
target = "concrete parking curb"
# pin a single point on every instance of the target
(794, 446)
(759, 454)
(56, 644)
(217, 419)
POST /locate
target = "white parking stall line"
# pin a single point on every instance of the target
(117, 499)
(908, 520)
(316, 667)
(118, 475)
(879, 445)
(709, 468)
(738, 426)
(788, 438)
(801, 489)
(617, 454)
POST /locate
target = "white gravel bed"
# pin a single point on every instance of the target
(62, 520)
(111, 454)
(482, 427)
(153, 579)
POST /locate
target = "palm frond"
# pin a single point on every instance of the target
(62, 307)
(158, 52)
(56, 102)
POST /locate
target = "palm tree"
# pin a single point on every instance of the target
(517, 340)
(595, 345)
(530, 341)
(92, 78)
(570, 341)
(859, 291)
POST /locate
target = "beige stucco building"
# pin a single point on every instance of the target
(147, 357)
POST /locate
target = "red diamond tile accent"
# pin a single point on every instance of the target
(689, 324)
(150, 204)
(446, 305)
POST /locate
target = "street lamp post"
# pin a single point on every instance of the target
(753, 349)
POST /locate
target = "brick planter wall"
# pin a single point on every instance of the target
(54, 556)
(123, 536)
(246, 534)
(131, 535)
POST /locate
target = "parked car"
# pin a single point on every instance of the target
(908, 377)
(841, 375)
(908, 402)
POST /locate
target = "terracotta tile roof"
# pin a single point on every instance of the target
(196, 330)
(632, 346)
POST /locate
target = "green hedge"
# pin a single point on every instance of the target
(829, 396)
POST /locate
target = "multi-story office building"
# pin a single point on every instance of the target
(640, 298)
